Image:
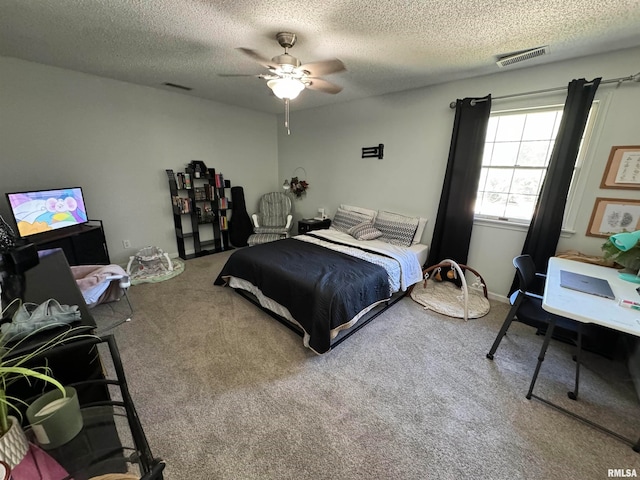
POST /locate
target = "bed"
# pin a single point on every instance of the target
(326, 284)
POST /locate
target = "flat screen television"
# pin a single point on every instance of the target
(43, 211)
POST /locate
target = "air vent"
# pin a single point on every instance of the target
(175, 85)
(522, 56)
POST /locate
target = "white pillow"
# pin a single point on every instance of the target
(366, 211)
(422, 223)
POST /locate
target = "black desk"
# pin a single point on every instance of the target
(52, 278)
(107, 443)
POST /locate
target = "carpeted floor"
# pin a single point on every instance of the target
(226, 392)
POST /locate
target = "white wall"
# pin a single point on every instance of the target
(415, 128)
(60, 128)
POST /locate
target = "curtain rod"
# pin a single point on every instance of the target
(619, 80)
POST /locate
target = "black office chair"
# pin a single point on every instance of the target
(526, 307)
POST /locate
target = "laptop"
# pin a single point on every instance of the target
(586, 284)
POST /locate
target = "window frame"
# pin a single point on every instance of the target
(580, 174)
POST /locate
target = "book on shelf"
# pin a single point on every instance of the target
(219, 180)
(222, 202)
(180, 180)
(224, 225)
(187, 181)
(182, 204)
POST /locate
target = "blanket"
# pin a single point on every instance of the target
(94, 283)
(401, 263)
(322, 289)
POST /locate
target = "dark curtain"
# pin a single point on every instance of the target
(452, 230)
(546, 224)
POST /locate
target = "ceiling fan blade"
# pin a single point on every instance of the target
(326, 67)
(265, 62)
(322, 85)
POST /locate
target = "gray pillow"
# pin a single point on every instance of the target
(345, 219)
(364, 231)
(396, 229)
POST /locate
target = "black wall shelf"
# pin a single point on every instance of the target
(200, 202)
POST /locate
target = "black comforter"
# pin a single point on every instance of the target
(321, 288)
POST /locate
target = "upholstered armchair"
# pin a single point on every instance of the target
(274, 219)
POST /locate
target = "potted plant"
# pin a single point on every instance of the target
(55, 417)
(13, 443)
(629, 259)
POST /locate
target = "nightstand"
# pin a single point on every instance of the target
(308, 224)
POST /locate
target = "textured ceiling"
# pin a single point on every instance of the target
(386, 45)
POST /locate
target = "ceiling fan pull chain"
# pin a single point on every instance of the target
(286, 115)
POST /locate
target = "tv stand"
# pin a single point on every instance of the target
(82, 245)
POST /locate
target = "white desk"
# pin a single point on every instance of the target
(591, 308)
(587, 308)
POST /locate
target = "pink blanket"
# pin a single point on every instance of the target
(38, 464)
(90, 276)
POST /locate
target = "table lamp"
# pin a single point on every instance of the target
(626, 241)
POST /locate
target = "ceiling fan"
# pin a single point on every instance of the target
(287, 76)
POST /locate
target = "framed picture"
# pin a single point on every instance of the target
(614, 215)
(623, 168)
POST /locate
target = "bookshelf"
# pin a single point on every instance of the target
(200, 206)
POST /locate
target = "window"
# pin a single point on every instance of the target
(517, 150)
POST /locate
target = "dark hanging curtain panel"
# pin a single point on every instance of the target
(546, 224)
(452, 230)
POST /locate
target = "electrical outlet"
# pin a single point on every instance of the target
(126, 243)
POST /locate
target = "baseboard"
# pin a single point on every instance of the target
(498, 298)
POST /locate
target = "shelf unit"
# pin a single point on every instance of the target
(82, 245)
(201, 205)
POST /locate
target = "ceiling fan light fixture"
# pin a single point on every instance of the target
(286, 87)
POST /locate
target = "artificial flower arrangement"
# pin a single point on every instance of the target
(298, 187)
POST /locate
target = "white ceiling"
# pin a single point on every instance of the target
(386, 45)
